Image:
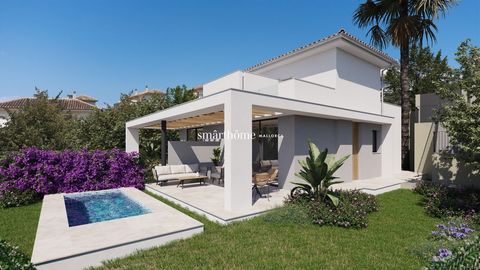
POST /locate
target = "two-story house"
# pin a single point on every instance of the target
(328, 91)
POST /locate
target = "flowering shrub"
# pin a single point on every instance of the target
(12, 258)
(454, 230)
(443, 254)
(466, 256)
(352, 210)
(443, 202)
(14, 197)
(48, 172)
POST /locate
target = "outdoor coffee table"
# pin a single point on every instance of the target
(199, 178)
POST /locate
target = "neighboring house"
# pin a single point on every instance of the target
(145, 94)
(79, 107)
(429, 140)
(328, 91)
(198, 90)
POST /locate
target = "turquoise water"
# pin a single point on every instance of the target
(91, 207)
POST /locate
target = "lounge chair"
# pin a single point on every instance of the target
(261, 180)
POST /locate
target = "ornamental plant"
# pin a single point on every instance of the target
(48, 172)
(317, 172)
(466, 256)
(12, 258)
(453, 230)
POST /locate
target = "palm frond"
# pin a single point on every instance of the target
(433, 8)
(367, 14)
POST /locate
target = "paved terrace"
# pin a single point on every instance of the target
(208, 199)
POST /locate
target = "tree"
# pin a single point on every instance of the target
(41, 123)
(460, 114)
(401, 23)
(105, 129)
(178, 95)
(427, 72)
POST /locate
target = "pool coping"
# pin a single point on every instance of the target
(58, 246)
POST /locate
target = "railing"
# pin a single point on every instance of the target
(243, 81)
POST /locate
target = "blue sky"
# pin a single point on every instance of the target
(102, 48)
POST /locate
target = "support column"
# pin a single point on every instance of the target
(132, 140)
(237, 152)
(164, 142)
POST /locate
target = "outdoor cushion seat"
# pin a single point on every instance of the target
(266, 165)
(173, 172)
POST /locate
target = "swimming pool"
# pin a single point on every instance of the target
(98, 206)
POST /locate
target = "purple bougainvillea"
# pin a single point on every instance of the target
(48, 172)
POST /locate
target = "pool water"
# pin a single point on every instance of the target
(97, 206)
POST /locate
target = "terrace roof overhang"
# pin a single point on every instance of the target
(209, 110)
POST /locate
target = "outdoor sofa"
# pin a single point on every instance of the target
(163, 174)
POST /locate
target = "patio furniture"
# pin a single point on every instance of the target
(163, 174)
(261, 180)
(198, 178)
(266, 165)
(217, 173)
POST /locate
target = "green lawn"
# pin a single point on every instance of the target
(387, 243)
(255, 244)
(18, 225)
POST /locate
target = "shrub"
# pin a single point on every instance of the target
(466, 256)
(443, 202)
(47, 172)
(15, 197)
(453, 230)
(352, 210)
(12, 258)
(446, 237)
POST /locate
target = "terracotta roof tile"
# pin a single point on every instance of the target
(86, 98)
(67, 104)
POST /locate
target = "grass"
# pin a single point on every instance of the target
(388, 242)
(18, 225)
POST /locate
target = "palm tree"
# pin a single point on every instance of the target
(402, 23)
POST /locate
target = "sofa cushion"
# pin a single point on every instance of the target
(166, 177)
(265, 163)
(187, 174)
(274, 163)
(190, 168)
(177, 169)
(162, 170)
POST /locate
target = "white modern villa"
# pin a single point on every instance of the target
(328, 91)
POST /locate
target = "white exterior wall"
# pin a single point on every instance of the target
(358, 84)
(369, 163)
(190, 152)
(4, 117)
(132, 140)
(333, 77)
(232, 80)
(319, 68)
(391, 141)
(335, 135)
(238, 152)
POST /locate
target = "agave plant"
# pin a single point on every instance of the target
(317, 171)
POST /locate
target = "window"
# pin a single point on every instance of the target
(192, 133)
(374, 141)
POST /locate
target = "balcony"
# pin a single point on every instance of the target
(345, 94)
(242, 81)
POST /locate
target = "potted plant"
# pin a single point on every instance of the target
(216, 159)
